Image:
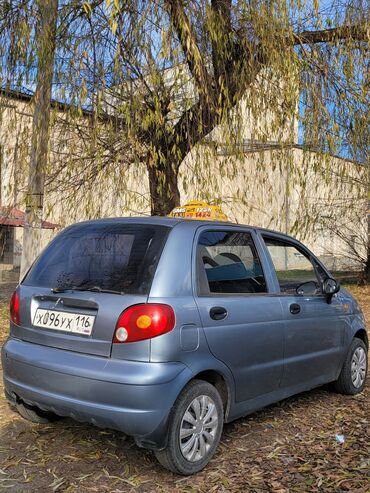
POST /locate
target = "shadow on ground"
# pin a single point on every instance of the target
(288, 447)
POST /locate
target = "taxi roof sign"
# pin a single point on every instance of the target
(199, 210)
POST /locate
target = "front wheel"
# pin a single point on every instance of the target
(352, 378)
(195, 427)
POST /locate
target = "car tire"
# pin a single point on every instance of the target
(198, 416)
(352, 377)
(36, 415)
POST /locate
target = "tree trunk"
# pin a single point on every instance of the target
(46, 33)
(164, 191)
(366, 273)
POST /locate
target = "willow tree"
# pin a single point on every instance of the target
(155, 78)
(163, 75)
(150, 81)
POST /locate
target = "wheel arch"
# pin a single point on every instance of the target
(219, 381)
(362, 334)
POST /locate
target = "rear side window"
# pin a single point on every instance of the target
(118, 257)
(229, 263)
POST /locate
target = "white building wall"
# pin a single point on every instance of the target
(282, 189)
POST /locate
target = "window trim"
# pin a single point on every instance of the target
(201, 283)
(303, 250)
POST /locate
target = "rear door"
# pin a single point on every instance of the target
(314, 329)
(242, 320)
(75, 292)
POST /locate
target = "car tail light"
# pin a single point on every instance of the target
(144, 321)
(15, 308)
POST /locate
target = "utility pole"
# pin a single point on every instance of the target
(47, 11)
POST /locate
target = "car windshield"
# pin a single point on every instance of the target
(116, 257)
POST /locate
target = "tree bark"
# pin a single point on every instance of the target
(367, 264)
(46, 37)
(358, 32)
(163, 186)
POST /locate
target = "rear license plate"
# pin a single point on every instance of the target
(65, 321)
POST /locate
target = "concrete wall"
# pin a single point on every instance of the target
(322, 201)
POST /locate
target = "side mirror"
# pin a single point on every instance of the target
(309, 288)
(329, 287)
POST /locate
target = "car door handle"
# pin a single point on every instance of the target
(218, 313)
(294, 308)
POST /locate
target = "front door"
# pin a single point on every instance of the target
(242, 322)
(314, 329)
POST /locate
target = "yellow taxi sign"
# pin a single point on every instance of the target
(199, 210)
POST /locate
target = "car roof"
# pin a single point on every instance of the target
(173, 221)
(157, 220)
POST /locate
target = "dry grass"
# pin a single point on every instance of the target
(287, 447)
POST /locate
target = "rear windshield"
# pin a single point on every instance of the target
(119, 257)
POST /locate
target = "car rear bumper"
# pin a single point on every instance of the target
(130, 396)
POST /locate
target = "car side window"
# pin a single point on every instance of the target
(296, 272)
(229, 263)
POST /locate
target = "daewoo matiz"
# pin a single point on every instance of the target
(165, 329)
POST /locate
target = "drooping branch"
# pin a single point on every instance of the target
(221, 40)
(195, 61)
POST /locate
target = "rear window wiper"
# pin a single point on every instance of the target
(93, 289)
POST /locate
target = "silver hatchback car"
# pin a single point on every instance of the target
(165, 329)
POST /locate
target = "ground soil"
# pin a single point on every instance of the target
(288, 447)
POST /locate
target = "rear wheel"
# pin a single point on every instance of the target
(195, 428)
(352, 378)
(35, 415)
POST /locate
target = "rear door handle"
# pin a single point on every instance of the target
(218, 313)
(294, 308)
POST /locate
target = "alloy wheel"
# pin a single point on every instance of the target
(198, 428)
(358, 367)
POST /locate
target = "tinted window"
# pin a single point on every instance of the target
(230, 262)
(118, 257)
(294, 268)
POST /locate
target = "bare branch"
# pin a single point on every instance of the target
(357, 32)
